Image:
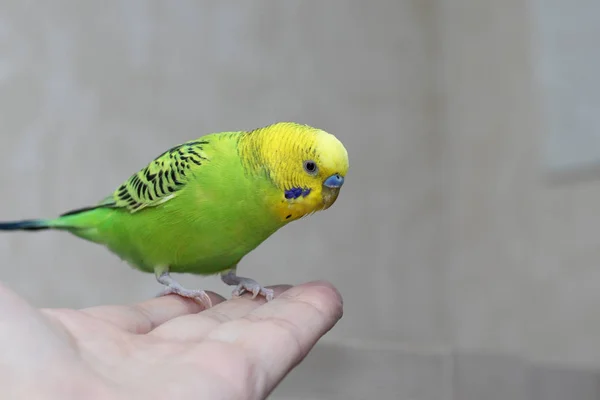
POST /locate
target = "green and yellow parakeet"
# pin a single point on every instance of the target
(203, 205)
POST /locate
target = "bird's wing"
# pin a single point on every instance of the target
(161, 180)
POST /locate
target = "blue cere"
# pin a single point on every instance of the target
(334, 181)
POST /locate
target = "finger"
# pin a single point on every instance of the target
(279, 334)
(22, 320)
(143, 317)
(197, 326)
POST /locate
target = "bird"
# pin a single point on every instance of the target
(201, 206)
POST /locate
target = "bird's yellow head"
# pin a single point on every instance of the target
(306, 165)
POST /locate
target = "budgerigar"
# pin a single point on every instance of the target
(201, 206)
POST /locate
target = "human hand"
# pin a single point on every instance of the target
(163, 348)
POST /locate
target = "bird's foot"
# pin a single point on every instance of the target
(197, 295)
(251, 286)
(174, 287)
(243, 285)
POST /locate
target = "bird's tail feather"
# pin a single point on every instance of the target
(69, 221)
(25, 225)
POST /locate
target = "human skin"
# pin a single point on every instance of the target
(166, 347)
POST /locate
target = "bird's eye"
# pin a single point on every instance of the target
(310, 167)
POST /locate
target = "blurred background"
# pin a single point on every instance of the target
(469, 226)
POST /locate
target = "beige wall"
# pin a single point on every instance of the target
(522, 269)
(448, 238)
(490, 171)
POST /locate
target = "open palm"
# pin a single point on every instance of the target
(166, 347)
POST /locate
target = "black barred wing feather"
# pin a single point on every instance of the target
(161, 179)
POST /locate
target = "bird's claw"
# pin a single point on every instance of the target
(254, 288)
(197, 295)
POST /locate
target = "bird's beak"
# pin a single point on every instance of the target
(331, 189)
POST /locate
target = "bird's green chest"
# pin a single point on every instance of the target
(200, 231)
(218, 242)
